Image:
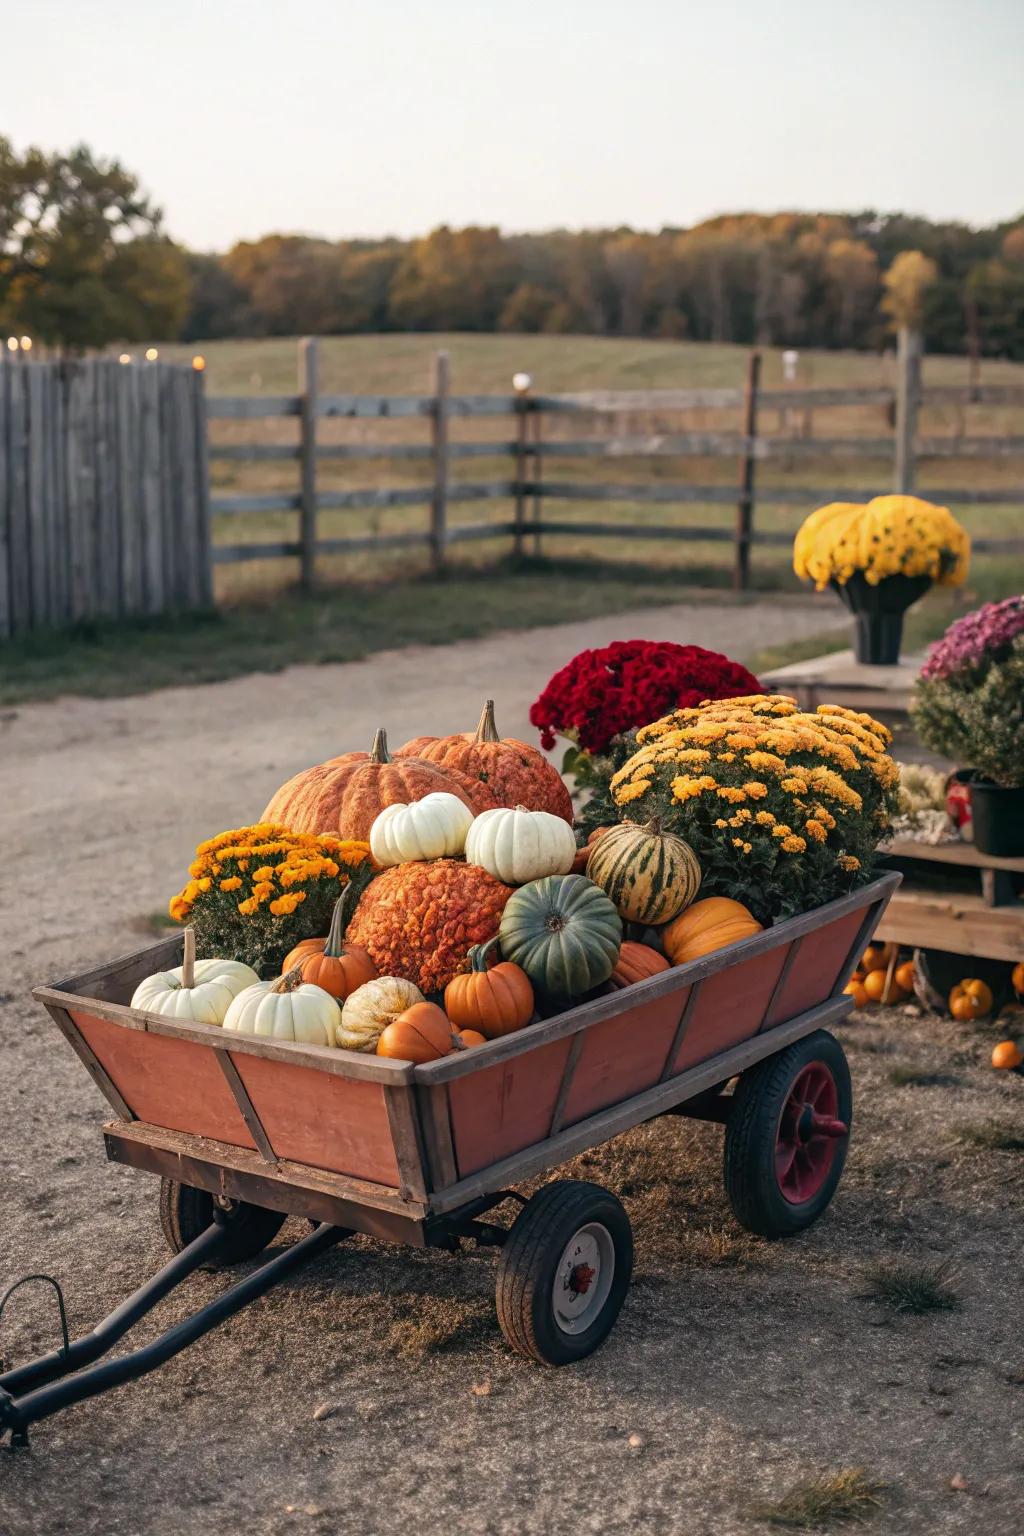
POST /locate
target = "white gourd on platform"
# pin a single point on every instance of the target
(432, 828)
(286, 1008)
(517, 846)
(198, 990)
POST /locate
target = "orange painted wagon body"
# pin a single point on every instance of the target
(390, 1148)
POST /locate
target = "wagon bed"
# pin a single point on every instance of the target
(392, 1149)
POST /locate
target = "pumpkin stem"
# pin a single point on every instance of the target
(335, 946)
(379, 751)
(188, 959)
(487, 730)
(653, 827)
(289, 981)
(478, 954)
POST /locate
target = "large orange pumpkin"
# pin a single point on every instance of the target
(705, 926)
(331, 963)
(422, 1033)
(345, 795)
(494, 1001)
(420, 921)
(635, 963)
(514, 772)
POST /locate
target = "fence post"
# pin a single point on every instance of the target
(537, 470)
(439, 440)
(745, 506)
(307, 449)
(908, 396)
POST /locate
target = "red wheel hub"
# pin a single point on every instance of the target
(809, 1129)
(581, 1279)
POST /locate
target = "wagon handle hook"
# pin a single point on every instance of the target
(47, 1280)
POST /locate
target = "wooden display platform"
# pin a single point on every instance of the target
(956, 899)
(838, 678)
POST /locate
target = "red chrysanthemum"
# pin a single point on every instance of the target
(630, 683)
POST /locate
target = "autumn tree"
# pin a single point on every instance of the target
(83, 260)
(906, 285)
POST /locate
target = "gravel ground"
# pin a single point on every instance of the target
(375, 1390)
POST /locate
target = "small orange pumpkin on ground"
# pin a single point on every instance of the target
(970, 999)
(876, 957)
(855, 988)
(422, 1033)
(881, 988)
(330, 963)
(635, 963)
(1007, 1056)
(1017, 978)
(903, 975)
(494, 1001)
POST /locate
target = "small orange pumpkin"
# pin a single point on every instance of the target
(1007, 1056)
(422, 1033)
(635, 963)
(1017, 978)
(579, 863)
(883, 988)
(705, 926)
(876, 957)
(970, 999)
(493, 1001)
(330, 963)
(855, 988)
(904, 975)
(467, 1038)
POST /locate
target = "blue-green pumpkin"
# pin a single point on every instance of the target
(564, 932)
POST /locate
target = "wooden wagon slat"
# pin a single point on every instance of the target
(73, 1035)
(780, 980)
(679, 1035)
(257, 1130)
(568, 1073)
(409, 1150)
(435, 1117)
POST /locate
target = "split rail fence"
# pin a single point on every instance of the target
(537, 440)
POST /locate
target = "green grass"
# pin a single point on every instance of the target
(911, 1287)
(342, 623)
(848, 1496)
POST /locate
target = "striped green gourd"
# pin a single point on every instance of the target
(564, 933)
(650, 875)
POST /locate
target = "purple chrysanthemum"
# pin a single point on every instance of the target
(977, 638)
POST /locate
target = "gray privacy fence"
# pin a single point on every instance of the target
(104, 501)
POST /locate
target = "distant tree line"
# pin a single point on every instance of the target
(84, 262)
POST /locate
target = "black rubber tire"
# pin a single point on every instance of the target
(528, 1264)
(185, 1212)
(752, 1130)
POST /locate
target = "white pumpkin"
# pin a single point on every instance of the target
(517, 846)
(432, 828)
(286, 1008)
(199, 990)
(367, 1011)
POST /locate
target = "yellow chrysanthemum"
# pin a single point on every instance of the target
(794, 845)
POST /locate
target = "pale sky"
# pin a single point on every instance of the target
(389, 117)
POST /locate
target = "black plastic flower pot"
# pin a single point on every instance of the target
(997, 815)
(878, 614)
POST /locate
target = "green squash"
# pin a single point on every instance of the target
(564, 933)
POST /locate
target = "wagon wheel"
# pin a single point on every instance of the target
(788, 1135)
(185, 1212)
(564, 1272)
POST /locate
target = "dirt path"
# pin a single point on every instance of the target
(743, 1367)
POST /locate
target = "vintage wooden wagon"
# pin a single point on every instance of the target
(244, 1131)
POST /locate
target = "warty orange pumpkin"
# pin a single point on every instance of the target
(495, 1000)
(420, 921)
(345, 795)
(514, 772)
(332, 963)
(706, 926)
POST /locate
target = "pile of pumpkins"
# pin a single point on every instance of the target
(485, 915)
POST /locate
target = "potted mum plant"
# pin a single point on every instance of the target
(880, 558)
(598, 700)
(969, 705)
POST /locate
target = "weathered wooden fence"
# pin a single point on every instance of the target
(104, 505)
(538, 438)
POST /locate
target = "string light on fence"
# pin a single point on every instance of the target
(521, 383)
(125, 357)
(26, 343)
(151, 354)
(12, 343)
(199, 362)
